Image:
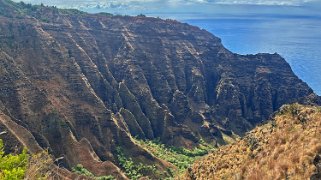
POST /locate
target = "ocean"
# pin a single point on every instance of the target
(297, 39)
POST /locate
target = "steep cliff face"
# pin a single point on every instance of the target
(83, 84)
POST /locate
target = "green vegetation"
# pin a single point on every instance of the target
(134, 170)
(79, 169)
(182, 158)
(25, 166)
(106, 14)
(37, 166)
(45, 20)
(141, 15)
(12, 167)
(12, 8)
(71, 12)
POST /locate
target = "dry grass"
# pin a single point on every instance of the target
(283, 149)
(40, 166)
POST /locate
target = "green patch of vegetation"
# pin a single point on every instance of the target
(71, 12)
(79, 169)
(291, 109)
(45, 20)
(141, 15)
(12, 167)
(11, 8)
(106, 14)
(134, 170)
(252, 142)
(182, 158)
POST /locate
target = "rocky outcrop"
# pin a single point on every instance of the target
(317, 164)
(84, 84)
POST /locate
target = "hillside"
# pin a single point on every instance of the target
(288, 147)
(85, 86)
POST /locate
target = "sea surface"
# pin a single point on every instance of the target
(297, 39)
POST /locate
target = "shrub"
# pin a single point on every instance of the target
(133, 170)
(180, 157)
(79, 169)
(12, 167)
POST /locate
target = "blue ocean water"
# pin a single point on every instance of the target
(297, 39)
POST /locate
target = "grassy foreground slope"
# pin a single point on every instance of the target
(288, 147)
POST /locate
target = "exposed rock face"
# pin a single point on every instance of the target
(82, 84)
(317, 163)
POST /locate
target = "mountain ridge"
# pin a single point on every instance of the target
(87, 83)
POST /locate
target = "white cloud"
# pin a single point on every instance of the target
(265, 2)
(156, 3)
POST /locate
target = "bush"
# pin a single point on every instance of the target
(12, 167)
(133, 170)
(79, 169)
(180, 157)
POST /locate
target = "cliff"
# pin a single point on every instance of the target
(83, 84)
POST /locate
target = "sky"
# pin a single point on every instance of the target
(134, 3)
(187, 9)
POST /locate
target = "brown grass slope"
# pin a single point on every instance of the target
(288, 147)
